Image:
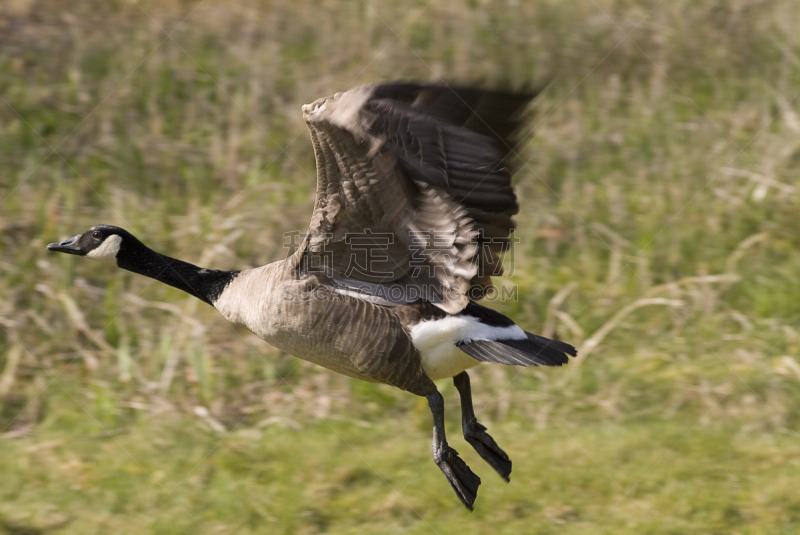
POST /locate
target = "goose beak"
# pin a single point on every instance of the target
(69, 246)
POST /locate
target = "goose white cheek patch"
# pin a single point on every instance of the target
(107, 251)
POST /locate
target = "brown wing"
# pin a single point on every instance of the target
(414, 197)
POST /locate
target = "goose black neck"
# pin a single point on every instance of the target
(205, 284)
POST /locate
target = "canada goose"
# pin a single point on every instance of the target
(413, 210)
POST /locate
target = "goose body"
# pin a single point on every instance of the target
(412, 213)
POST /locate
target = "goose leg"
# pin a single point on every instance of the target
(462, 480)
(476, 434)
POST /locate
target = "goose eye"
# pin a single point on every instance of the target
(96, 235)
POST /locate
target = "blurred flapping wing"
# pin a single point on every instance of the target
(414, 197)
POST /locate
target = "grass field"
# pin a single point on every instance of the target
(659, 234)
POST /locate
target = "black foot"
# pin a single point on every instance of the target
(462, 480)
(476, 435)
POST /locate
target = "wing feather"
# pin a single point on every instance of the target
(414, 197)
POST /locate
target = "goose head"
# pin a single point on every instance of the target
(117, 246)
(100, 242)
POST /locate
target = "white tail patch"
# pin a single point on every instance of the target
(436, 341)
(106, 251)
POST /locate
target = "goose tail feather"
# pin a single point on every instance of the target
(535, 350)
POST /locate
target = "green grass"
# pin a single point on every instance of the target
(342, 477)
(662, 181)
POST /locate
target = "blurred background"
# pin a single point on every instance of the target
(658, 234)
